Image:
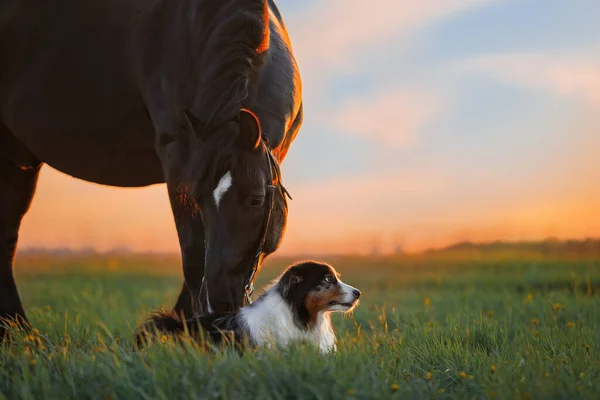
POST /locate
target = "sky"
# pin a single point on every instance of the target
(425, 123)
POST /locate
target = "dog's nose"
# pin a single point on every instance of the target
(356, 293)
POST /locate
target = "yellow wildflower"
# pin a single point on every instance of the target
(570, 324)
(441, 390)
(427, 301)
(556, 306)
(163, 339)
(471, 377)
(492, 368)
(47, 307)
(490, 314)
(529, 297)
(395, 387)
(581, 375)
(428, 376)
(535, 321)
(463, 375)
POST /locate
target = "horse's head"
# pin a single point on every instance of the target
(243, 207)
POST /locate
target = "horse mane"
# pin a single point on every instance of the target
(225, 56)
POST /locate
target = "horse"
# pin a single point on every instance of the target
(203, 95)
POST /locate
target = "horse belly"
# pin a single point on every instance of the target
(107, 165)
(102, 139)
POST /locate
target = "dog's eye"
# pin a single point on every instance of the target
(328, 279)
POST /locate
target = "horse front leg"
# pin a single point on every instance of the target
(190, 231)
(173, 148)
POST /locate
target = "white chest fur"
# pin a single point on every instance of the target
(270, 321)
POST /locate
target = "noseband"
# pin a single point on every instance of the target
(273, 173)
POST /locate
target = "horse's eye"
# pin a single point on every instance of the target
(257, 201)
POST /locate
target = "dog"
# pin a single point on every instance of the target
(295, 307)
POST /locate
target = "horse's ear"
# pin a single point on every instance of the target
(250, 132)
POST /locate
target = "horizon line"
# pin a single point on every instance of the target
(122, 250)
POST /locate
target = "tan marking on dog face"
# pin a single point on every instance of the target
(319, 300)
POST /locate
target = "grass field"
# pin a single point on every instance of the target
(443, 327)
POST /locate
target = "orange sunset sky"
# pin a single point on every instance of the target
(435, 122)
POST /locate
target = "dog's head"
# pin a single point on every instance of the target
(313, 288)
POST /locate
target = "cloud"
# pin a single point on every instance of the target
(333, 33)
(332, 37)
(393, 118)
(561, 74)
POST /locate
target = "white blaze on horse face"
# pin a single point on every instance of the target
(222, 188)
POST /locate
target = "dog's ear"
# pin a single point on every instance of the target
(288, 281)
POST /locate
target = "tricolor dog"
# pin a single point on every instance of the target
(295, 307)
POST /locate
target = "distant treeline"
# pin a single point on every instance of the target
(65, 251)
(549, 248)
(546, 249)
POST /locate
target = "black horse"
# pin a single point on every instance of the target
(138, 92)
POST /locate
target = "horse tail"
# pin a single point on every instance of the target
(162, 322)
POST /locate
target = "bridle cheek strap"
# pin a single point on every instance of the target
(249, 287)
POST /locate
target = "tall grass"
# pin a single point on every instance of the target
(427, 327)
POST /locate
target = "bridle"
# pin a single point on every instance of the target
(273, 173)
